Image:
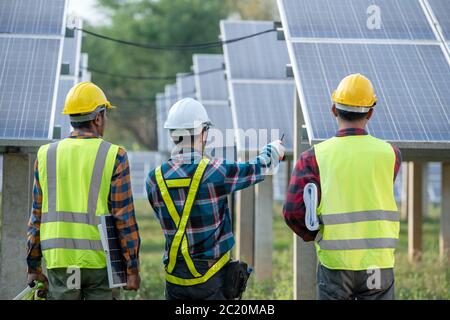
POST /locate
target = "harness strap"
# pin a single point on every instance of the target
(180, 237)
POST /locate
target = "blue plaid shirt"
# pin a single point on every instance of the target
(209, 229)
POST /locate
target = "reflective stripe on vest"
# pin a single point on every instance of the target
(70, 237)
(180, 238)
(359, 216)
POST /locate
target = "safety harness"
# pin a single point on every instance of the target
(180, 238)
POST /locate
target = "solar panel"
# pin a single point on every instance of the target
(28, 73)
(171, 95)
(411, 76)
(170, 99)
(441, 10)
(346, 19)
(412, 84)
(32, 16)
(71, 56)
(210, 86)
(160, 118)
(85, 75)
(271, 107)
(256, 70)
(254, 58)
(185, 86)
(63, 120)
(140, 165)
(115, 262)
(31, 34)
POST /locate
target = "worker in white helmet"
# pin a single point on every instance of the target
(189, 196)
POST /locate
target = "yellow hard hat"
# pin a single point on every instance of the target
(355, 90)
(85, 97)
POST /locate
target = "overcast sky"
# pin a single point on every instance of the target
(86, 10)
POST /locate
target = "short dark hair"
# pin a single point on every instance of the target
(351, 116)
(84, 124)
(81, 125)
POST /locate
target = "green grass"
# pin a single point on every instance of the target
(428, 279)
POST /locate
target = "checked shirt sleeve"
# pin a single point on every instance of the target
(306, 170)
(122, 208)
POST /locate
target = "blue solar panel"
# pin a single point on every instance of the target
(262, 57)
(32, 16)
(271, 107)
(71, 53)
(441, 10)
(28, 71)
(412, 84)
(210, 86)
(400, 19)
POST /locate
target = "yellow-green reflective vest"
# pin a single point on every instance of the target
(75, 177)
(180, 239)
(358, 212)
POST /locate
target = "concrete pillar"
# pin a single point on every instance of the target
(16, 208)
(263, 229)
(305, 268)
(305, 260)
(245, 223)
(425, 183)
(444, 239)
(404, 192)
(415, 214)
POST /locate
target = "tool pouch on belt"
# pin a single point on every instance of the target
(236, 278)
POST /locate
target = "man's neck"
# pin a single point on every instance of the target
(90, 132)
(351, 125)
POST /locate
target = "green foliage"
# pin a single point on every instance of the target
(429, 279)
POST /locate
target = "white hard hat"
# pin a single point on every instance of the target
(186, 117)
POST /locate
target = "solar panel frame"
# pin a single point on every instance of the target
(185, 86)
(115, 262)
(13, 19)
(411, 149)
(440, 11)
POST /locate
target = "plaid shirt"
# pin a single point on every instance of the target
(307, 170)
(209, 228)
(120, 205)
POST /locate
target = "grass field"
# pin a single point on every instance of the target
(429, 279)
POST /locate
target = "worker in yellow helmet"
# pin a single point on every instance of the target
(77, 180)
(356, 223)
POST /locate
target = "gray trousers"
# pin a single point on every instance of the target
(355, 285)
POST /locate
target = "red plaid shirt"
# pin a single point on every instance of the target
(120, 203)
(307, 170)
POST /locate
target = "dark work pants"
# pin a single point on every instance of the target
(355, 285)
(210, 290)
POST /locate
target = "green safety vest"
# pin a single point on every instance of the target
(75, 178)
(358, 213)
(180, 238)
